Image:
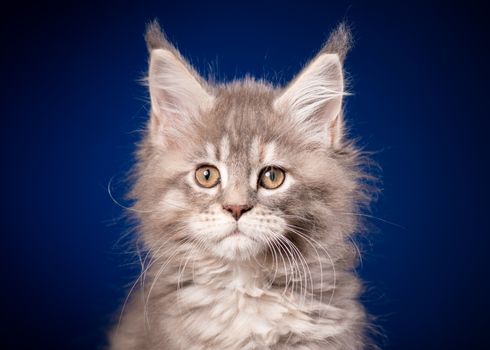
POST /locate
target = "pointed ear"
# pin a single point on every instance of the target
(177, 92)
(177, 96)
(314, 99)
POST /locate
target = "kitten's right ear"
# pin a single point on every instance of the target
(178, 94)
(313, 100)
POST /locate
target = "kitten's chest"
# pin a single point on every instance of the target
(237, 312)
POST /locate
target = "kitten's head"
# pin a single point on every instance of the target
(235, 169)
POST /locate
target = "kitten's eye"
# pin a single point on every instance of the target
(271, 177)
(207, 176)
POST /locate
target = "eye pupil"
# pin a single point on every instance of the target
(207, 174)
(271, 175)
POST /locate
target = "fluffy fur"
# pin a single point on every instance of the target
(286, 280)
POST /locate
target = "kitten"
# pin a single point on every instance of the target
(246, 197)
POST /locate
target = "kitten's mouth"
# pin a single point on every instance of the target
(237, 233)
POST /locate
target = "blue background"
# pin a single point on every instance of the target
(71, 106)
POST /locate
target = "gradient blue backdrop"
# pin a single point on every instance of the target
(71, 103)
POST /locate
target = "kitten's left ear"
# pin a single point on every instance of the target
(314, 98)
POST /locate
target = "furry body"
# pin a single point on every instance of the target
(285, 281)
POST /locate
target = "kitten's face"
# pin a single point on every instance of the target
(239, 168)
(243, 180)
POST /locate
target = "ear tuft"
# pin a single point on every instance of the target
(155, 37)
(339, 42)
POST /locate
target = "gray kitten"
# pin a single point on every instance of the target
(246, 197)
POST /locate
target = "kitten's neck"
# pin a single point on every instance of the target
(242, 275)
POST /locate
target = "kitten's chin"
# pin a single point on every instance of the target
(237, 246)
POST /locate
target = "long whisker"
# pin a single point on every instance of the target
(157, 276)
(312, 242)
(141, 278)
(294, 268)
(356, 247)
(306, 269)
(275, 260)
(109, 191)
(290, 248)
(275, 244)
(375, 218)
(295, 228)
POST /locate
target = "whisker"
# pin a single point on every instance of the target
(157, 276)
(140, 279)
(306, 268)
(291, 248)
(311, 241)
(109, 191)
(375, 218)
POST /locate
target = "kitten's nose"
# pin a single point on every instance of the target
(237, 210)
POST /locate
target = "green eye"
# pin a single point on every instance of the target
(207, 176)
(271, 177)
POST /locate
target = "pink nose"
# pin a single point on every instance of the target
(237, 210)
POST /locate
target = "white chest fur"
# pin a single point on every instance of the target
(233, 310)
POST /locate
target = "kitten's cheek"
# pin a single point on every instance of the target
(172, 199)
(170, 205)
